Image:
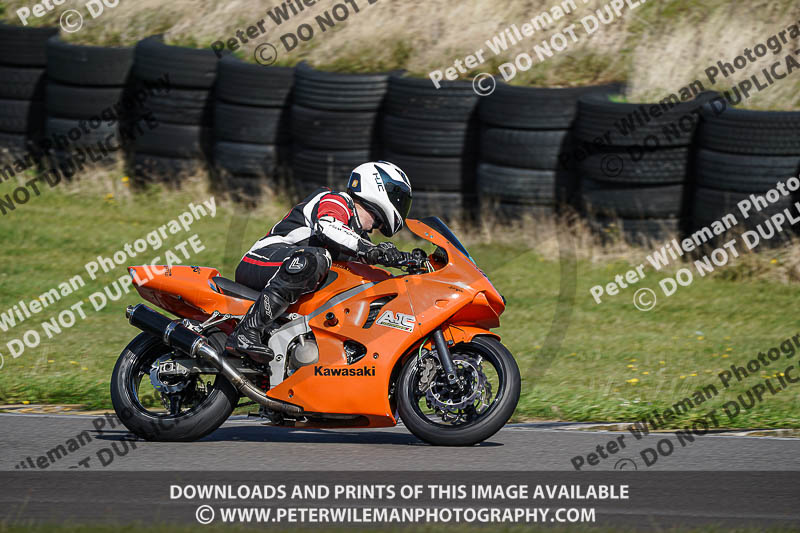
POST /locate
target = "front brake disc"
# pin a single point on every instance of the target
(444, 398)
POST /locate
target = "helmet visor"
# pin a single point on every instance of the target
(400, 196)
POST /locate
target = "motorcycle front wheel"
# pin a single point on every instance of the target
(182, 411)
(467, 413)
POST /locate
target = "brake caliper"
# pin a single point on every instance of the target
(427, 374)
(168, 376)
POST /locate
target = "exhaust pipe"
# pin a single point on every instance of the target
(176, 335)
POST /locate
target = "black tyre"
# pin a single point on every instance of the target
(365, 80)
(471, 423)
(512, 212)
(455, 101)
(70, 101)
(245, 83)
(433, 173)
(335, 130)
(637, 166)
(69, 161)
(174, 140)
(331, 99)
(209, 408)
(336, 91)
(180, 106)
(25, 46)
(518, 185)
(184, 67)
(242, 159)
(630, 124)
(79, 132)
(88, 65)
(21, 116)
(302, 188)
(536, 108)
(524, 148)
(744, 131)
(450, 206)
(711, 205)
(632, 202)
(249, 124)
(425, 137)
(18, 83)
(744, 173)
(312, 168)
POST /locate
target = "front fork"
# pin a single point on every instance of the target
(444, 356)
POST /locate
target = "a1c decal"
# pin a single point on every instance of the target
(397, 321)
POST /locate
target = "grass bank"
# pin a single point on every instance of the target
(580, 360)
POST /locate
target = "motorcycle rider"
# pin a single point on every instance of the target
(294, 257)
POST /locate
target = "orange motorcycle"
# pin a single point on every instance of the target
(364, 349)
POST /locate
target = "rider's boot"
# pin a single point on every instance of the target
(247, 337)
(299, 274)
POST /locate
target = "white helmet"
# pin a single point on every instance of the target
(384, 189)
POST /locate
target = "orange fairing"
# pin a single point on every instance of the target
(389, 315)
(486, 303)
(457, 296)
(186, 291)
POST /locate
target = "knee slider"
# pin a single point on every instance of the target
(306, 266)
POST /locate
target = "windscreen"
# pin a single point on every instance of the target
(437, 224)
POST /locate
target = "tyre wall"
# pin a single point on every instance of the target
(646, 170)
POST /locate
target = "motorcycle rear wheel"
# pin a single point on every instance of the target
(132, 407)
(474, 425)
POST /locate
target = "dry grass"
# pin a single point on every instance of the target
(664, 61)
(569, 236)
(658, 47)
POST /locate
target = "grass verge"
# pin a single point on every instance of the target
(615, 363)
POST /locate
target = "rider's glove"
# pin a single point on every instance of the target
(384, 253)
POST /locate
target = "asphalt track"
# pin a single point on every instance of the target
(716, 479)
(247, 444)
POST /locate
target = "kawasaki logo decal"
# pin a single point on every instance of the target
(363, 371)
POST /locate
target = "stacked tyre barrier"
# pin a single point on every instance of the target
(86, 101)
(432, 135)
(525, 134)
(633, 174)
(641, 169)
(23, 61)
(251, 132)
(742, 153)
(335, 123)
(182, 110)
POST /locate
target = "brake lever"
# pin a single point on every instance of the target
(412, 265)
(414, 262)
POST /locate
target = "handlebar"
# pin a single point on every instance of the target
(413, 261)
(408, 260)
